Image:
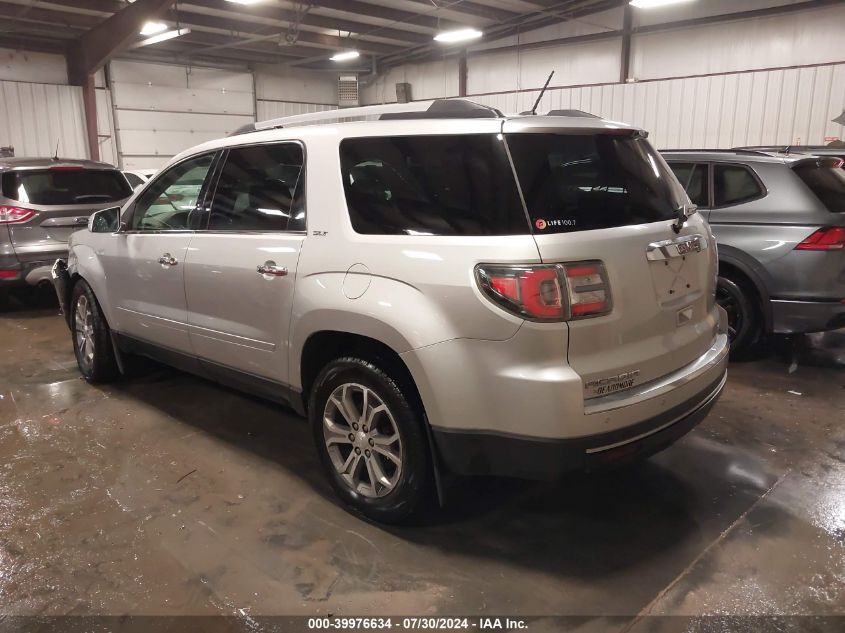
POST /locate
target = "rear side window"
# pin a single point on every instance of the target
(65, 185)
(592, 181)
(827, 182)
(134, 180)
(260, 189)
(693, 178)
(431, 185)
(733, 184)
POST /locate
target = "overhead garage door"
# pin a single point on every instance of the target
(161, 110)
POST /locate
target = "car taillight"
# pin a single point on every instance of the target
(831, 238)
(559, 292)
(13, 215)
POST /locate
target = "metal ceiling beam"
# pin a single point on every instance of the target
(475, 10)
(12, 13)
(90, 52)
(424, 19)
(309, 19)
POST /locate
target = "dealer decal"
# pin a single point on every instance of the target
(611, 384)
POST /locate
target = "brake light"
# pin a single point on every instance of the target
(831, 238)
(67, 168)
(14, 215)
(560, 292)
(8, 274)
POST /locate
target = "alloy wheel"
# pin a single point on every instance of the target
(362, 440)
(83, 326)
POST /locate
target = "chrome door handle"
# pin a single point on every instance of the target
(270, 268)
(167, 260)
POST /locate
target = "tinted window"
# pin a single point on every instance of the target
(260, 189)
(167, 203)
(592, 181)
(827, 182)
(693, 179)
(65, 185)
(733, 184)
(431, 185)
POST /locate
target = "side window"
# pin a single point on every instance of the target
(733, 184)
(693, 178)
(167, 204)
(260, 188)
(431, 185)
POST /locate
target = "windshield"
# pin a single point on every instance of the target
(827, 181)
(581, 182)
(64, 186)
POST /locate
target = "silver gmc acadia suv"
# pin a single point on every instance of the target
(441, 289)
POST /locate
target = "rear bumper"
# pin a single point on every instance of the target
(25, 273)
(800, 317)
(531, 458)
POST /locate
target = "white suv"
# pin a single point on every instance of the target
(444, 288)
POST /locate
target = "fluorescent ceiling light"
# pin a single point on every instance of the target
(161, 37)
(653, 4)
(345, 55)
(151, 28)
(460, 35)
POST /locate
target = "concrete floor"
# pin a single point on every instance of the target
(169, 495)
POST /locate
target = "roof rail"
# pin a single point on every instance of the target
(573, 113)
(747, 152)
(435, 109)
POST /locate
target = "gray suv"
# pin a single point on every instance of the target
(779, 220)
(42, 201)
(443, 288)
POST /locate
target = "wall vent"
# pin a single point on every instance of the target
(347, 91)
(403, 93)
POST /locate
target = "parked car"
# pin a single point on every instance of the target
(779, 220)
(42, 201)
(138, 177)
(386, 279)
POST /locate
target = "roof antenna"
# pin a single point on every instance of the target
(56, 155)
(542, 92)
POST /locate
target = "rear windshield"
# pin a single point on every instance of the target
(431, 185)
(827, 182)
(65, 186)
(593, 181)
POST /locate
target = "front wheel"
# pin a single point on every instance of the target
(743, 316)
(91, 336)
(370, 440)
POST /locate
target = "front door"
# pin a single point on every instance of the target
(241, 268)
(145, 263)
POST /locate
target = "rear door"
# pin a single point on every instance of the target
(145, 263)
(60, 200)
(241, 268)
(606, 195)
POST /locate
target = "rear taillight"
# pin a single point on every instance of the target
(831, 238)
(14, 215)
(560, 292)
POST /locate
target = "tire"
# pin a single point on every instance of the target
(744, 319)
(91, 336)
(367, 480)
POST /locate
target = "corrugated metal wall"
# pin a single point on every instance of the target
(161, 110)
(794, 106)
(275, 109)
(34, 117)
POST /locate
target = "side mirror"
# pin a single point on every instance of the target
(105, 220)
